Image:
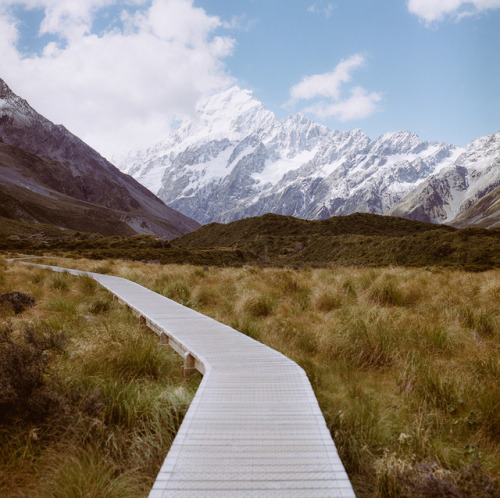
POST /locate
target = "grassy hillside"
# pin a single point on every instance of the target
(23, 229)
(95, 246)
(404, 362)
(275, 225)
(90, 403)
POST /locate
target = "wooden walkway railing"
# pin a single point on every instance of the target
(254, 428)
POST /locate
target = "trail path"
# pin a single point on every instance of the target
(254, 428)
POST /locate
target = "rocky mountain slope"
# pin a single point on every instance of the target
(446, 197)
(54, 174)
(24, 197)
(236, 160)
(484, 213)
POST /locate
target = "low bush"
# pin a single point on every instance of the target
(177, 290)
(26, 384)
(257, 306)
(99, 305)
(327, 302)
(59, 281)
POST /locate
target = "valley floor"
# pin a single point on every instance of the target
(404, 362)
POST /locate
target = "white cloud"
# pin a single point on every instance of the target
(321, 8)
(432, 10)
(359, 105)
(124, 88)
(326, 84)
(67, 18)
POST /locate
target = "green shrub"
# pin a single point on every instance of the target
(177, 290)
(482, 322)
(84, 472)
(248, 327)
(59, 281)
(63, 305)
(87, 285)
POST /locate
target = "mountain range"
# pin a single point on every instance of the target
(235, 159)
(48, 175)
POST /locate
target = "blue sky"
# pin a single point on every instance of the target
(120, 74)
(440, 80)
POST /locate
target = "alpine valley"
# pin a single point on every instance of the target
(49, 176)
(235, 159)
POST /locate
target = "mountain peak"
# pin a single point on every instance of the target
(236, 159)
(13, 102)
(5, 91)
(400, 137)
(8, 99)
(234, 99)
(230, 114)
(298, 119)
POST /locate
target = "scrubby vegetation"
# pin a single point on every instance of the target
(404, 362)
(283, 241)
(358, 239)
(148, 248)
(89, 402)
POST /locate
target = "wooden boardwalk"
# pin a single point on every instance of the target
(254, 428)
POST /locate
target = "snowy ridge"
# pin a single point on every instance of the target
(448, 193)
(236, 159)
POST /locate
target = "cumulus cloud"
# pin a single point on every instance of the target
(326, 84)
(431, 10)
(62, 17)
(359, 105)
(124, 87)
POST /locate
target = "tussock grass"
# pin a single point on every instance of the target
(404, 362)
(77, 472)
(99, 402)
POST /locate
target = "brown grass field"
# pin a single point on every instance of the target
(404, 362)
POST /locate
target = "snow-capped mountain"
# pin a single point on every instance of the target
(446, 195)
(236, 159)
